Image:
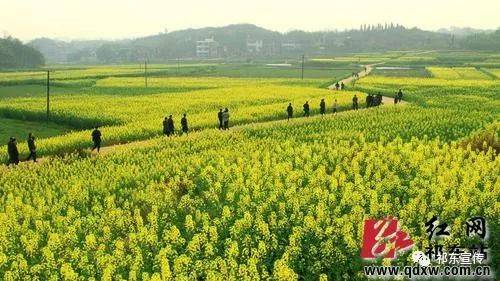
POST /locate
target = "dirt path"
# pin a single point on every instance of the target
(105, 150)
(347, 81)
(367, 69)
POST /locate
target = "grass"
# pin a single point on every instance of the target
(20, 129)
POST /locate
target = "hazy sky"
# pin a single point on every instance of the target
(70, 19)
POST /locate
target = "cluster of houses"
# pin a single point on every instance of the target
(210, 48)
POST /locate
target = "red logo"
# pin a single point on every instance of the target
(383, 239)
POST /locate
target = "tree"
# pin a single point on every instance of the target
(14, 54)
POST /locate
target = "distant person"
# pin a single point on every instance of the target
(225, 119)
(379, 99)
(400, 95)
(337, 86)
(13, 152)
(342, 86)
(165, 126)
(170, 126)
(335, 105)
(395, 98)
(289, 111)
(31, 147)
(355, 102)
(369, 100)
(322, 107)
(184, 124)
(306, 109)
(219, 116)
(96, 139)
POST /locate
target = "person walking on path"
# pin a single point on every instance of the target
(306, 109)
(219, 116)
(225, 118)
(184, 124)
(96, 139)
(369, 100)
(31, 147)
(335, 104)
(337, 86)
(13, 152)
(379, 99)
(322, 107)
(342, 86)
(396, 98)
(289, 111)
(355, 102)
(400, 95)
(170, 126)
(165, 126)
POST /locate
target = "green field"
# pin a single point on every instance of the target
(270, 198)
(20, 129)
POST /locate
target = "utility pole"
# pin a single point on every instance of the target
(146, 72)
(48, 96)
(302, 74)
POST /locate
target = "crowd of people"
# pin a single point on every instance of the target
(223, 122)
(169, 127)
(373, 100)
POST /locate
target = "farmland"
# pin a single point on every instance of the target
(458, 73)
(268, 199)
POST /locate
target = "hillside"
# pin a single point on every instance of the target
(242, 41)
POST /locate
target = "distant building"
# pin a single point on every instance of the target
(207, 48)
(290, 46)
(255, 46)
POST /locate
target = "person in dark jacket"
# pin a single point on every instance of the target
(337, 86)
(306, 109)
(342, 86)
(395, 98)
(184, 124)
(355, 102)
(225, 119)
(96, 139)
(165, 126)
(289, 111)
(170, 126)
(379, 99)
(400, 95)
(322, 107)
(13, 152)
(31, 147)
(369, 100)
(219, 116)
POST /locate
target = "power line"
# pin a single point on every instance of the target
(146, 72)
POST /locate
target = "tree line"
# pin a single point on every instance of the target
(15, 54)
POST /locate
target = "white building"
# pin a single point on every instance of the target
(207, 48)
(255, 47)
